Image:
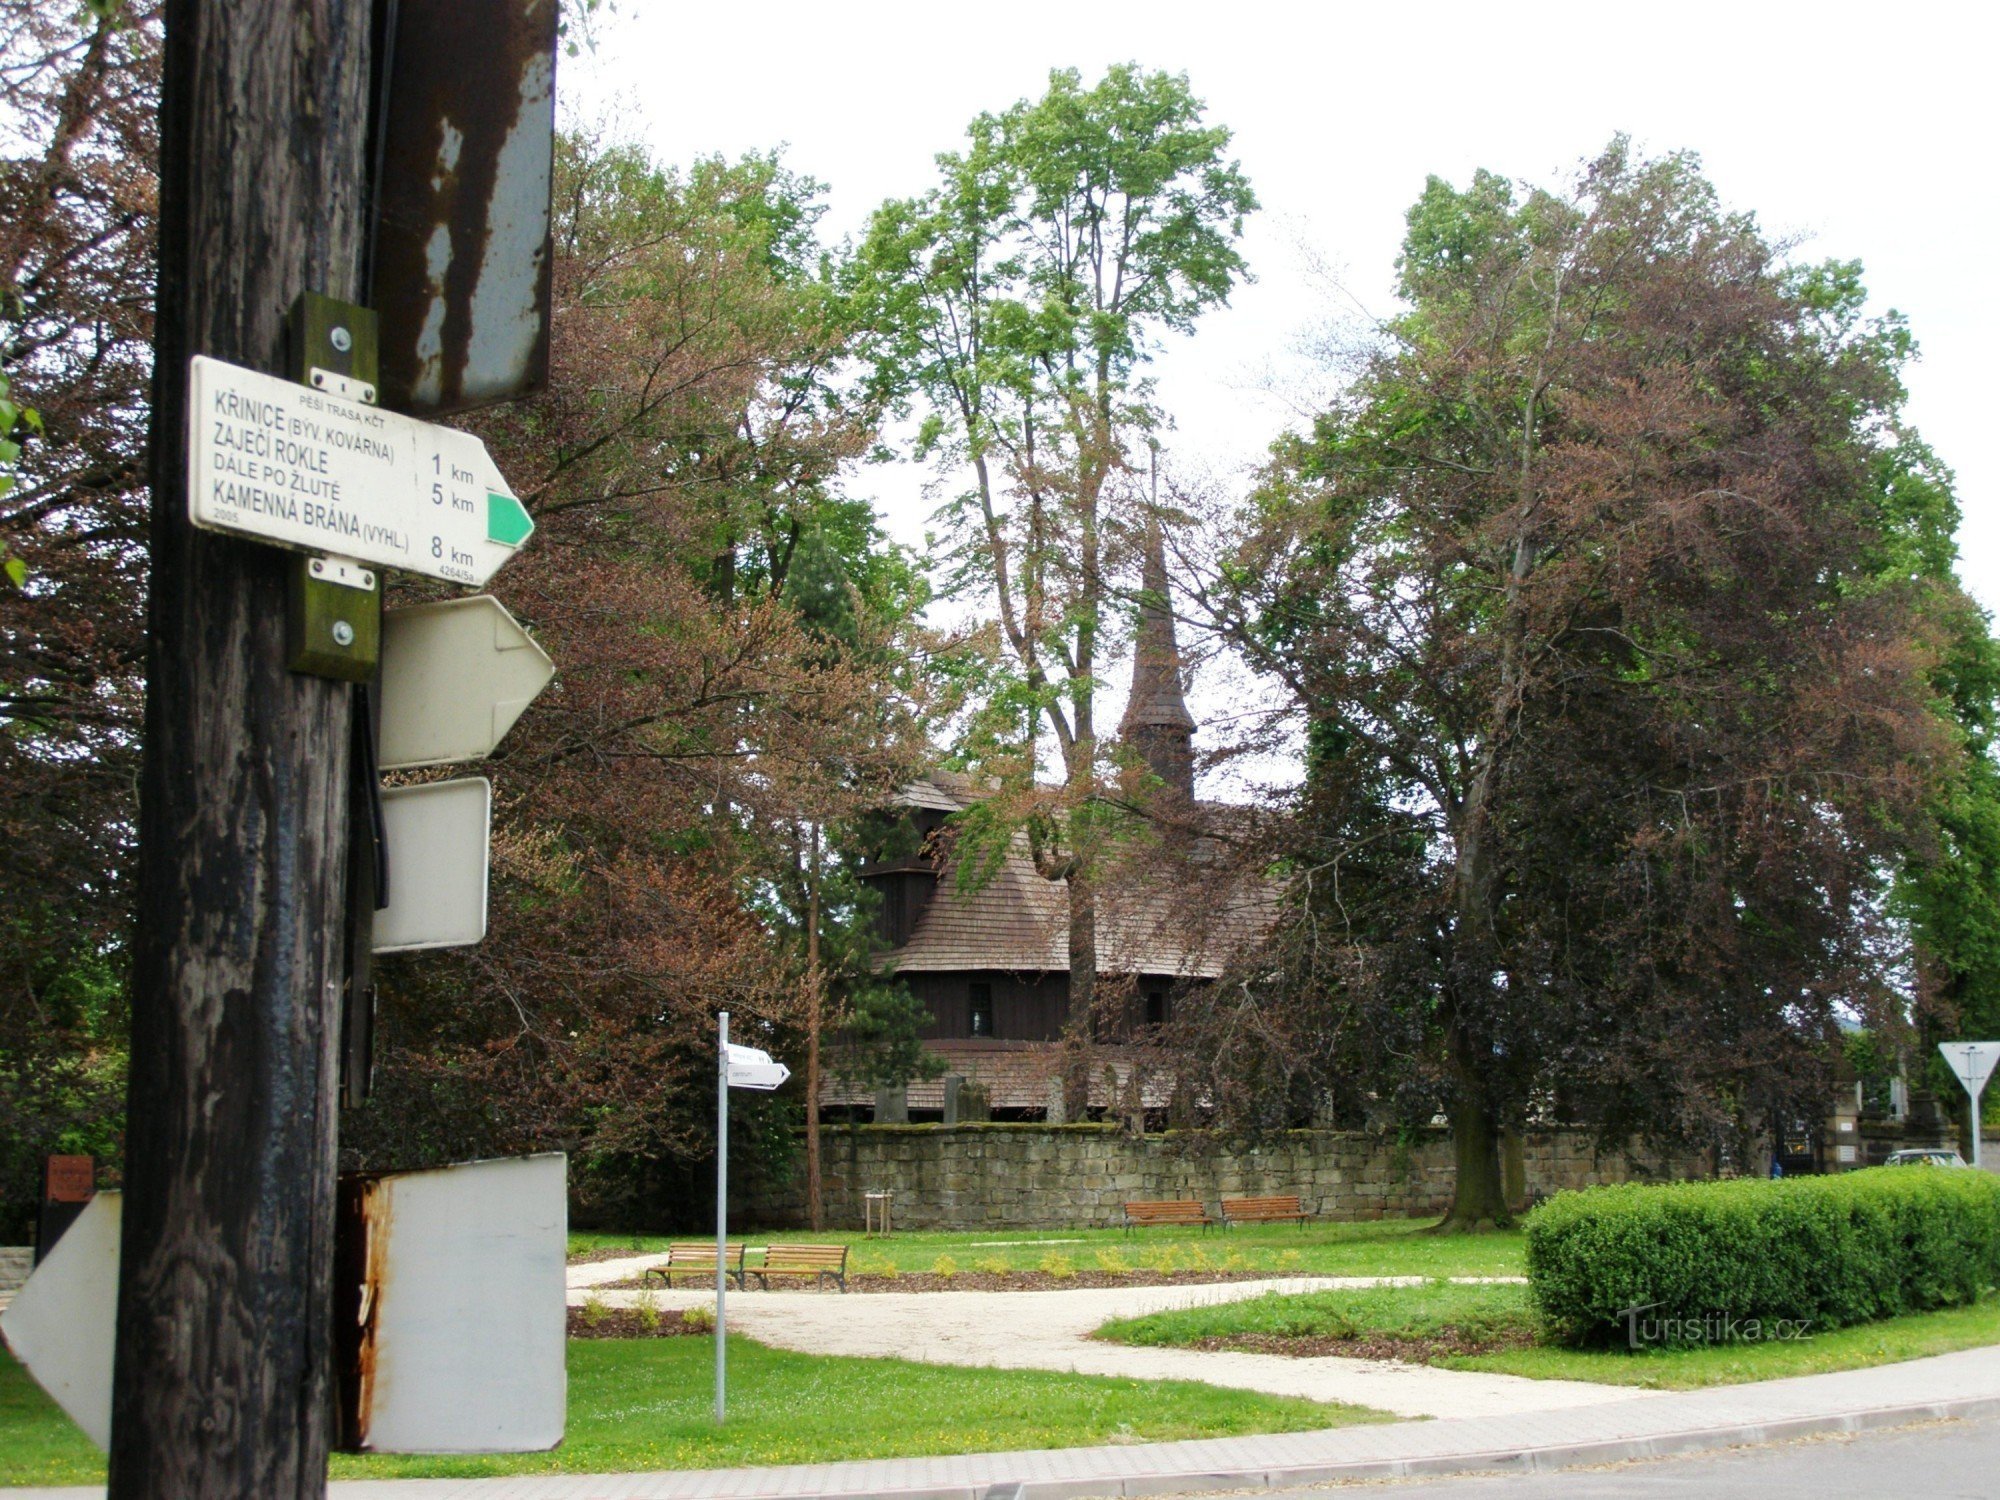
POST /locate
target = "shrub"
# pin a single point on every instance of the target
(646, 1307)
(1112, 1259)
(1058, 1265)
(698, 1319)
(992, 1265)
(595, 1311)
(944, 1266)
(1824, 1251)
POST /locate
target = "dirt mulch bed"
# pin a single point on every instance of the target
(626, 1323)
(987, 1281)
(1370, 1346)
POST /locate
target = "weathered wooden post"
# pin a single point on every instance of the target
(221, 1377)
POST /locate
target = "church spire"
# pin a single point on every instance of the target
(1157, 723)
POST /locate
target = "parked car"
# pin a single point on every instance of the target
(1924, 1159)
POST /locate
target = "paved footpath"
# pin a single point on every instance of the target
(1050, 1331)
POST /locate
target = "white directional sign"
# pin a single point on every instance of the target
(455, 677)
(752, 1068)
(437, 838)
(311, 469)
(61, 1324)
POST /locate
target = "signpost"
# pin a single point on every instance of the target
(322, 471)
(740, 1068)
(253, 903)
(1972, 1063)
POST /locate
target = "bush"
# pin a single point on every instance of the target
(1709, 1257)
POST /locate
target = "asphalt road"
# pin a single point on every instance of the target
(1931, 1461)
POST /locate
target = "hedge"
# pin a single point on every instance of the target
(1708, 1258)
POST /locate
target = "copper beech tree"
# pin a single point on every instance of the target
(704, 733)
(78, 86)
(1616, 728)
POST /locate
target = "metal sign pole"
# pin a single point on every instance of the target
(721, 1202)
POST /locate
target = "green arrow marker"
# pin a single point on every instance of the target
(507, 520)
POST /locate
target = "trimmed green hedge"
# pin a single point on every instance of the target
(1706, 1258)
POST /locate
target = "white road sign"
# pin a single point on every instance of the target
(437, 839)
(1972, 1062)
(62, 1323)
(455, 677)
(463, 1318)
(752, 1068)
(306, 468)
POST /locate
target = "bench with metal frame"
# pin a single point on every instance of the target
(1283, 1209)
(698, 1259)
(823, 1263)
(1185, 1212)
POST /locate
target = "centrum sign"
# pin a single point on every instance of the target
(310, 469)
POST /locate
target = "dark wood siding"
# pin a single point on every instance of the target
(1026, 1007)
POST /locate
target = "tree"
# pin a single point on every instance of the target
(732, 635)
(1615, 726)
(79, 86)
(1015, 305)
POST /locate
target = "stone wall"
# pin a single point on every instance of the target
(991, 1176)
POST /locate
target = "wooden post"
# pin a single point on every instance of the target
(222, 1370)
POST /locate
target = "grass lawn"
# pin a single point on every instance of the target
(1385, 1247)
(1415, 1312)
(1854, 1348)
(644, 1404)
(1479, 1312)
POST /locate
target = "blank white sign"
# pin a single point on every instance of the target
(437, 837)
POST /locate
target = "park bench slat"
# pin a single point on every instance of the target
(1183, 1211)
(821, 1262)
(696, 1258)
(1278, 1209)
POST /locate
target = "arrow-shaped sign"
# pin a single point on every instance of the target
(437, 837)
(313, 469)
(61, 1324)
(455, 677)
(752, 1068)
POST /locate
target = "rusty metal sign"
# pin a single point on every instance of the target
(461, 261)
(449, 1317)
(71, 1179)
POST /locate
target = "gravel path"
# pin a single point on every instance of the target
(1049, 1331)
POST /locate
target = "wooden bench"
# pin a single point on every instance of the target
(823, 1263)
(1280, 1210)
(1183, 1211)
(698, 1259)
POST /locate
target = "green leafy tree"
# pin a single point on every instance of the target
(1014, 306)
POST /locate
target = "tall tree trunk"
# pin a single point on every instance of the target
(815, 1002)
(1078, 1054)
(1478, 1194)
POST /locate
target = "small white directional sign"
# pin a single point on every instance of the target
(752, 1068)
(60, 1325)
(437, 840)
(310, 469)
(455, 677)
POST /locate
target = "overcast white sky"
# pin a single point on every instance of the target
(1864, 131)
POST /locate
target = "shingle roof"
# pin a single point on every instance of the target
(1018, 920)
